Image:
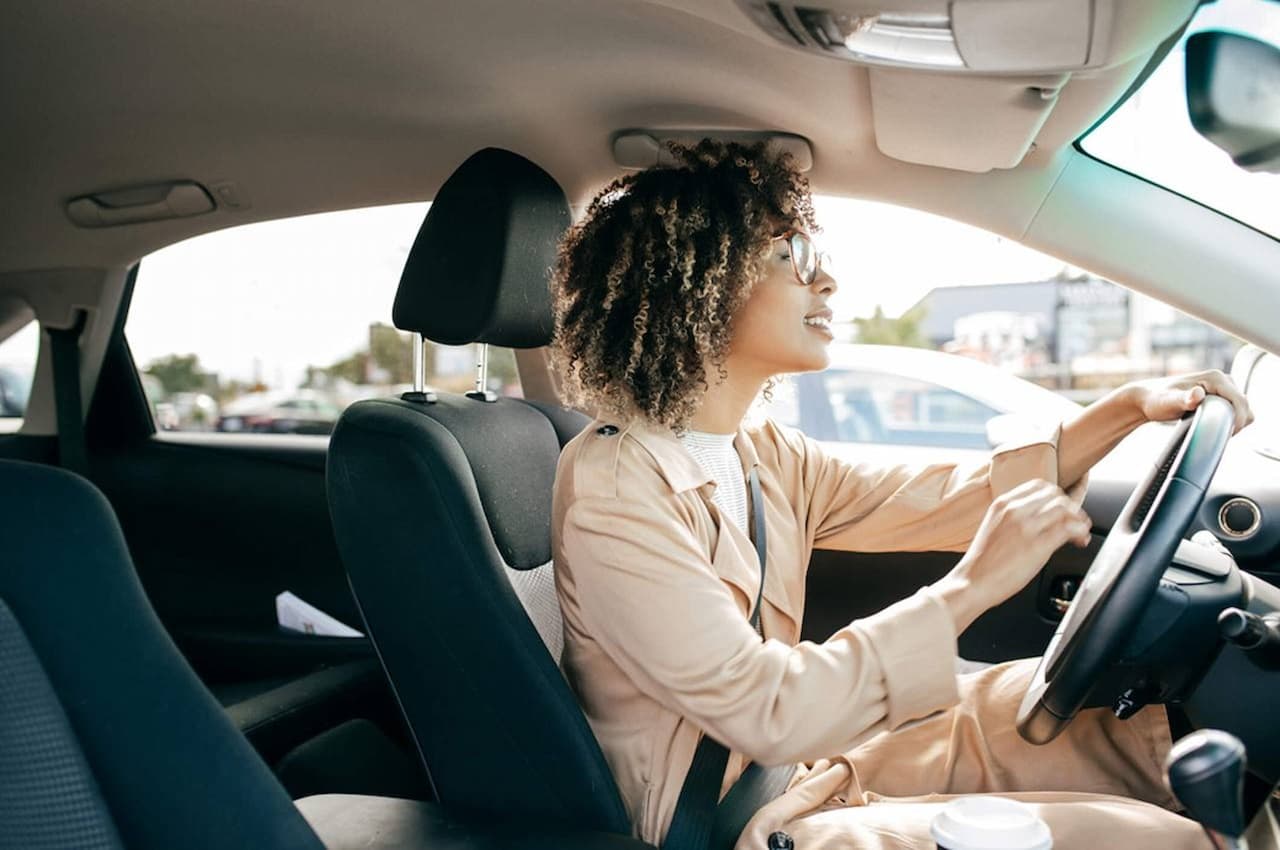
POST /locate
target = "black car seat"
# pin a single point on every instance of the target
(109, 741)
(442, 512)
(107, 738)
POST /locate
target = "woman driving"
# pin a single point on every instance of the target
(682, 295)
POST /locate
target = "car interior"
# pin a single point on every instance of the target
(151, 697)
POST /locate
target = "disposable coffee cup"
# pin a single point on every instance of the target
(989, 823)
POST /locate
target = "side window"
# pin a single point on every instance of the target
(18, 352)
(276, 327)
(952, 337)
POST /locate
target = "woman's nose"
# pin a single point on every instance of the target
(824, 282)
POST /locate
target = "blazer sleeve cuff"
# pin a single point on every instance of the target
(915, 643)
(1016, 463)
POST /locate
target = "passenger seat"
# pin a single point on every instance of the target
(442, 512)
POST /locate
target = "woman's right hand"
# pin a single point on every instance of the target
(1021, 530)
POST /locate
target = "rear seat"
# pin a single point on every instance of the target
(277, 715)
(111, 741)
(324, 732)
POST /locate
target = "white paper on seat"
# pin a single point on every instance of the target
(298, 616)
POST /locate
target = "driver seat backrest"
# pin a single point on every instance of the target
(107, 738)
(442, 512)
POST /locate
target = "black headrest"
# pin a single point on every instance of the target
(479, 269)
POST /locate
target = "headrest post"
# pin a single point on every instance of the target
(419, 363)
(419, 392)
(481, 393)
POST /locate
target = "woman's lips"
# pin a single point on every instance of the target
(819, 320)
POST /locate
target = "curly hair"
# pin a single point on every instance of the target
(646, 286)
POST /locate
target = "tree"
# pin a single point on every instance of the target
(391, 353)
(502, 367)
(879, 329)
(181, 373)
(387, 359)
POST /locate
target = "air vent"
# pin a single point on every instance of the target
(784, 26)
(1239, 518)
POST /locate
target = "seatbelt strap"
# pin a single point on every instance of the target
(64, 345)
(757, 786)
(695, 814)
(759, 536)
(701, 821)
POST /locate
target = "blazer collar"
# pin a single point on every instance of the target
(683, 473)
(677, 466)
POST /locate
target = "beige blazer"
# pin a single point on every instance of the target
(657, 589)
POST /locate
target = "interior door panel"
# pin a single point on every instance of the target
(219, 525)
(29, 448)
(842, 586)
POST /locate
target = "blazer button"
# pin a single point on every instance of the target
(781, 841)
(607, 430)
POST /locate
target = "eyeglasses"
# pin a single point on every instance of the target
(806, 259)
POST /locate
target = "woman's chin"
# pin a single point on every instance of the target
(808, 361)
(818, 356)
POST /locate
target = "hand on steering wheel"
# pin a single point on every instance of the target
(1126, 571)
(1021, 529)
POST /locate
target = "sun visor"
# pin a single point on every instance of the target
(961, 122)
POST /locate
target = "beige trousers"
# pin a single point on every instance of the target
(1098, 785)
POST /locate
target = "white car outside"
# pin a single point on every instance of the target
(912, 405)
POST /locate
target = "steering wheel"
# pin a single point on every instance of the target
(1126, 572)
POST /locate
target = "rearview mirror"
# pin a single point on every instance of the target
(1233, 96)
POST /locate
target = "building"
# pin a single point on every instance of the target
(1071, 331)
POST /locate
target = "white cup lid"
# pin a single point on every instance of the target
(990, 823)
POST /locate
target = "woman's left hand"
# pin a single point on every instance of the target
(1162, 399)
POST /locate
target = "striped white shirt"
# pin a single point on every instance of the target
(717, 457)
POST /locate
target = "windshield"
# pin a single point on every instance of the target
(1150, 135)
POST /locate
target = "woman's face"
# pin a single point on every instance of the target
(784, 326)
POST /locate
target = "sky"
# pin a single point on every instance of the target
(266, 300)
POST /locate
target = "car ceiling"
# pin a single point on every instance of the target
(327, 104)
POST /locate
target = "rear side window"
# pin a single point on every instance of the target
(18, 352)
(276, 327)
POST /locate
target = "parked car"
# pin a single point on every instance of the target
(273, 413)
(916, 405)
(887, 395)
(15, 388)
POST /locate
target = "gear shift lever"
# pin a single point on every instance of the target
(1205, 771)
